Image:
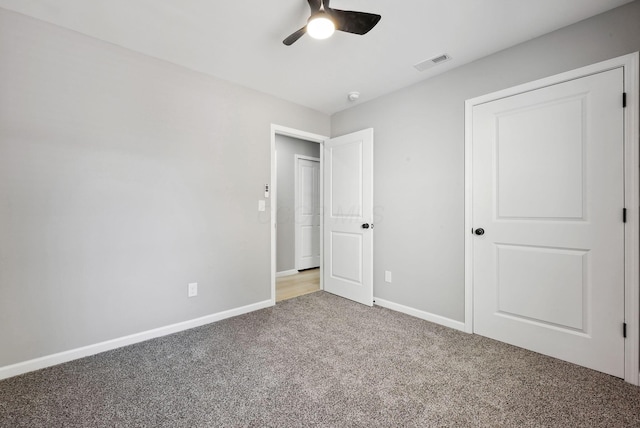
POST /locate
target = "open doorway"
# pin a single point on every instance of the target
(296, 234)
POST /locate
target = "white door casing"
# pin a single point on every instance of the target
(307, 212)
(348, 216)
(546, 181)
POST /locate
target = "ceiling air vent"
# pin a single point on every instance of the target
(428, 63)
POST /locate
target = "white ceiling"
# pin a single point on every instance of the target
(241, 40)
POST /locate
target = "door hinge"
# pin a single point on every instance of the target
(624, 329)
(624, 100)
(624, 215)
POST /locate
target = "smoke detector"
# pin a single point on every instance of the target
(432, 62)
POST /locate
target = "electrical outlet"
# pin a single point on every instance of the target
(387, 276)
(193, 289)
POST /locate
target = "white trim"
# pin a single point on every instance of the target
(302, 135)
(623, 61)
(85, 351)
(296, 204)
(303, 157)
(632, 228)
(322, 214)
(296, 133)
(632, 195)
(286, 273)
(436, 319)
(468, 217)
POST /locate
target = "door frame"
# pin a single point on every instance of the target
(296, 198)
(300, 135)
(630, 65)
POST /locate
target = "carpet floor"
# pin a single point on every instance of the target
(318, 360)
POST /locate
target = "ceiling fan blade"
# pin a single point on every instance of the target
(295, 36)
(351, 21)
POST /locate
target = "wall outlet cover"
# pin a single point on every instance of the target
(387, 276)
(193, 289)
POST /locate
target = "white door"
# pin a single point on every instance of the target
(548, 272)
(307, 212)
(348, 213)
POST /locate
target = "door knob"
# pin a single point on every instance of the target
(479, 232)
(365, 226)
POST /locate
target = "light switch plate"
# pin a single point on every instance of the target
(387, 276)
(261, 205)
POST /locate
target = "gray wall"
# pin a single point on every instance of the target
(286, 148)
(419, 155)
(122, 179)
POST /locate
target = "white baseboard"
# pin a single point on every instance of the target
(286, 273)
(85, 351)
(437, 319)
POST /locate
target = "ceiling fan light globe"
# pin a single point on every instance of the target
(320, 27)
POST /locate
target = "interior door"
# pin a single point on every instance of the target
(348, 216)
(548, 250)
(307, 212)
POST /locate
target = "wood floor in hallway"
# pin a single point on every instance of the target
(304, 282)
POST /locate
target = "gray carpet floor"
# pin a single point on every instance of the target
(318, 360)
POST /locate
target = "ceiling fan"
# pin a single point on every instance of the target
(325, 20)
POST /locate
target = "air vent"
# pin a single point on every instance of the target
(428, 63)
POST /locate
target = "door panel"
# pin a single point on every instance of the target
(344, 266)
(548, 190)
(540, 160)
(546, 285)
(348, 202)
(307, 213)
(346, 181)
